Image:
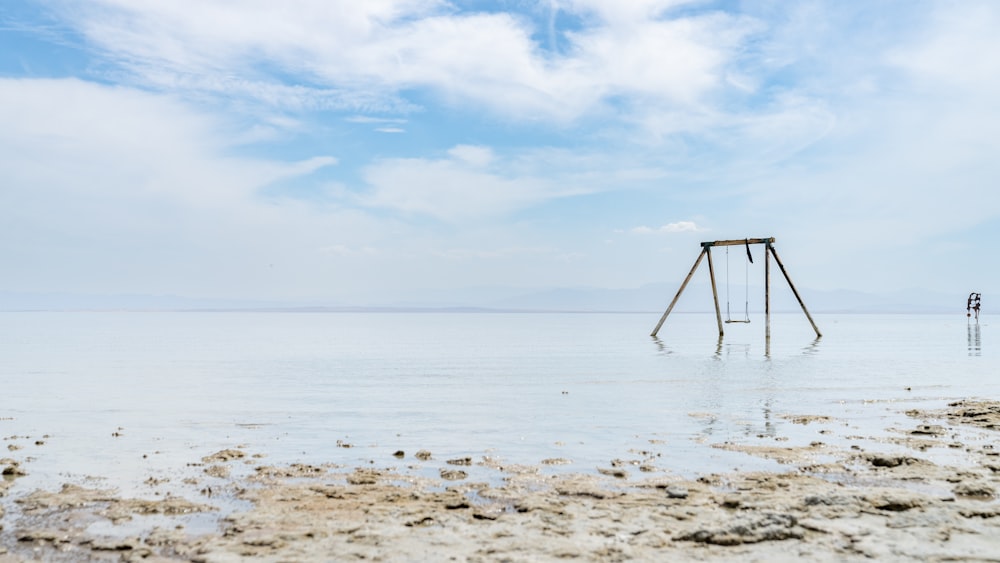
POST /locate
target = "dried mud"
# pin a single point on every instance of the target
(851, 505)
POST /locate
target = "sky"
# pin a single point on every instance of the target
(336, 151)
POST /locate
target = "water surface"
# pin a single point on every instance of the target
(590, 388)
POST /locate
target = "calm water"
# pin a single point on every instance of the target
(519, 387)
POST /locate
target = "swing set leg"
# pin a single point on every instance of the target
(796, 292)
(681, 290)
(715, 293)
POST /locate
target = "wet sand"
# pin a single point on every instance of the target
(832, 504)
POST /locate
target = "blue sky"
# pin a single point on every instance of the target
(365, 152)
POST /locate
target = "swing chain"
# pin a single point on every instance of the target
(746, 287)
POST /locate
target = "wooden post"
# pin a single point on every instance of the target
(704, 250)
(795, 291)
(739, 242)
(715, 293)
(767, 292)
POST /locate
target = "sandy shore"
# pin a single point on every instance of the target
(856, 504)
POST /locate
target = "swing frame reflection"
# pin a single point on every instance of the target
(769, 251)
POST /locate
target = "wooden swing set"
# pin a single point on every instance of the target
(706, 250)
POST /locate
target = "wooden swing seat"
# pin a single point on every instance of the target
(732, 321)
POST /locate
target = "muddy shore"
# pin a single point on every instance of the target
(831, 504)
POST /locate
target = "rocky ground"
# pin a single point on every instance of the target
(857, 504)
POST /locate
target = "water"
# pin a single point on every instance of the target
(520, 388)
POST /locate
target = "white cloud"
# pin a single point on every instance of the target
(449, 189)
(669, 228)
(370, 119)
(473, 182)
(616, 11)
(160, 146)
(463, 254)
(110, 189)
(954, 56)
(472, 155)
(347, 250)
(360, 55)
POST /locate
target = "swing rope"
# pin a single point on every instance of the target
(746, 289)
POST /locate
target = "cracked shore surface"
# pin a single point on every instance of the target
(855, 504)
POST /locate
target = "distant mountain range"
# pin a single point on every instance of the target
(648, 298)
(698, 298)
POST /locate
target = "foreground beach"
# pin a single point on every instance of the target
(857, 503)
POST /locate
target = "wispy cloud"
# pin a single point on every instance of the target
(371, 119)
(669, 228)
(348, 54)
(472, 182)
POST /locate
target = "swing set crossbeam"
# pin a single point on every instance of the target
(706, 252)
(740, 242)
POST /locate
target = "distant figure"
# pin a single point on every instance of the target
(972, 305)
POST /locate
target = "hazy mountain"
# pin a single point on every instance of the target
(653, 298)
(698, 298)
(26, 301)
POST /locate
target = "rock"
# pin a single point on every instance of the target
(615, 472)
(748, 528)
(889, 460)
(731, 501)
(460, 461)
(220, 471)
(556, 461)
(293, 470)
(580, 486)
(984, 414)
(123, 509)
(897, 501)
(677, 491)
(11, 468)
(974, 489)
(453, 474)
(928, 430)
(830, 500)
(364, 477)
(980, 512)
(223, 456)
(423, 455)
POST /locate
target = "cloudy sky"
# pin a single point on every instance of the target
(363, 152)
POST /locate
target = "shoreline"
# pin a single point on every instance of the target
(831, 504)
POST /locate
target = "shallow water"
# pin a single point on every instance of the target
(520, 388)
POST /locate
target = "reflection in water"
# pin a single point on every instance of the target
(809, 350)
(729, 348)
(660, 346)
(812, 348)
(769, 429)
(975, 340)
(734, 372)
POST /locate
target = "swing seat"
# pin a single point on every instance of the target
(732, 321)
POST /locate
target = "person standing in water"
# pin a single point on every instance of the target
(972, 305)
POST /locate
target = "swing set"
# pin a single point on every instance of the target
(706, 251)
